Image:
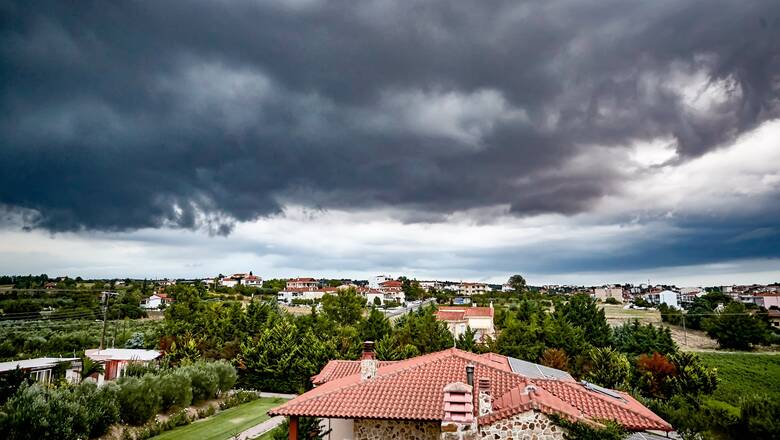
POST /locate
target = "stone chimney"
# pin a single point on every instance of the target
(368, 363)
(485, 399)
(459, 422)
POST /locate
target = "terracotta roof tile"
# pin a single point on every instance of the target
(413, 389)
(336, 369)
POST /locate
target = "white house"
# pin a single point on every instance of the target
(667, 297)
(155, 301)
(41, 369)
(242, 279)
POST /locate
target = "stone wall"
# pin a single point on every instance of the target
(372, 429)
(530, 425)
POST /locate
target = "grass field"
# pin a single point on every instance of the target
(744, 373)
(225, 424)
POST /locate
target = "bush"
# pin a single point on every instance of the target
(175, 390)
(101, 405)
(238, 398)
(36, 412)
(205, 381)
(139, 398)
(226, 375)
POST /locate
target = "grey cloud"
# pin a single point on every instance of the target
(150, 114)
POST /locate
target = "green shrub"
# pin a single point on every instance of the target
(139, 398)
(36, 412)
(175, 390)
(205, 381)
(101, 406)
(226, 375)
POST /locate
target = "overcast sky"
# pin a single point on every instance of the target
(571, 141)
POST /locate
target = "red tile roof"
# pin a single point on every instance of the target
(302, 280)
(336, 369)
(453, 313)
(413, 389)
(391, 283)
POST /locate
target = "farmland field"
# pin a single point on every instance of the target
(688, 340)
(744, 373)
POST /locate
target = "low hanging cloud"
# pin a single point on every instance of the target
(203, 114)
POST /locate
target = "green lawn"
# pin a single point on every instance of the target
(742, 374)
(225, 424)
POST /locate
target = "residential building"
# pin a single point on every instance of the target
(155, 301)
(469, 289)
(377, 280)
(767, 300)
(454, 394)
(429, 285)
(774, 318)
(302, 283)
(459, 318)
(288, 295)
(115, 360)
(242, 279)
(604, 293)
(42, 369)
(668, 297)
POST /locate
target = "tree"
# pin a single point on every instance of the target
(376, 327)
(345, 308)
(555, 358)
(609, 368)
(424, 331)
(735, 328)
(693, 378)
(90, 367)
(517, 283)
(412, 289)
(634, 338)
(467, 340)
(583, 312)
(655, 375)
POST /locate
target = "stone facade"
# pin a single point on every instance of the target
(530, 425)
(373, 429)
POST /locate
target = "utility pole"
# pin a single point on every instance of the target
(685, 332)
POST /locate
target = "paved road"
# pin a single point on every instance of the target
(395, 314)
(273, 422)
(258, 430)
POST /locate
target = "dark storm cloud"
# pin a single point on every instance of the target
(144, 114)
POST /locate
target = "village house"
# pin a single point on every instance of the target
(393, 291)
(459, 318)
(774, 318)
(242, 279)
(668, 297)
(288, 295)
(155, 301)
(115, 360)
(302, 283)
(42, 369)
(375, 281)
(454, 394)
(469, 289)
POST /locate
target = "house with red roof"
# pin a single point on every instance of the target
(459, 318)
(302, 283)
(454, 394)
